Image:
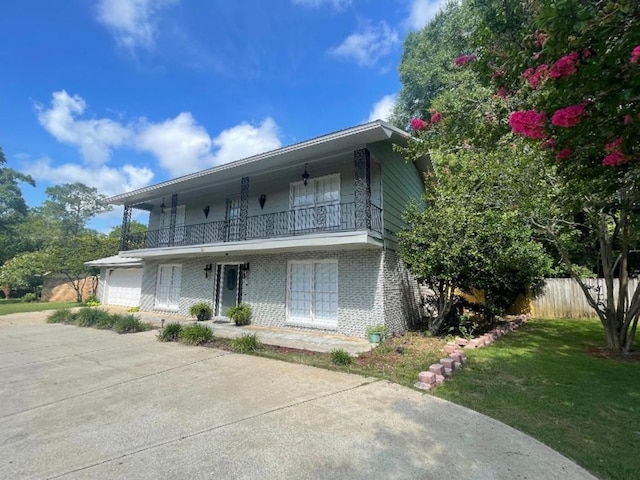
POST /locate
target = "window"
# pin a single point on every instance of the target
(313, 292)
(233, 219)
(165, 226)
(317, 205)
(168, 287)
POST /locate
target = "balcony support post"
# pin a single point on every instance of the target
(172, 218)
(126, 221)
(362, 161)
(244, 207)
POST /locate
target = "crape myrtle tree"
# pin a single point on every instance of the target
(565, 83)
(469, 235)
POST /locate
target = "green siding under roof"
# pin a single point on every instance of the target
(401, 184)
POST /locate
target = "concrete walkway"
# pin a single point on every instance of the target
(80, 403)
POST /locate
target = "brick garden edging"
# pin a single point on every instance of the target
(438, 372)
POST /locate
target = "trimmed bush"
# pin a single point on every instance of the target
(129, 324)
(29, 297)
(133, 309)
(92, 301)
(247, 342)
(341, 357)
(196, 334)
(170, 333)
(90, 317)
(240, 314)
(64, 315)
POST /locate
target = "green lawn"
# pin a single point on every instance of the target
(542, 380)
(16, 306)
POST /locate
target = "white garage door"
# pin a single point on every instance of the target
(123, 287)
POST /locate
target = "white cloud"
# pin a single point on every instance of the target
(422, 11)
(109, 181)
(382, 109)
(245, 140)
(133, 22)
(182, 146)
(95, 137)
(368, 45)
(337, 4)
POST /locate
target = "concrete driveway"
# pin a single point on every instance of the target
(83, 403)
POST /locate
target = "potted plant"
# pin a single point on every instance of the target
(375, 333)
(240, 314)
(202, 311)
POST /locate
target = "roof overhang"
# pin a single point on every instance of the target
(116, 261)
(303, 152)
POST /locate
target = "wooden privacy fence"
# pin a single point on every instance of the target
(563, 297)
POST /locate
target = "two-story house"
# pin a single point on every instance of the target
(305, 234)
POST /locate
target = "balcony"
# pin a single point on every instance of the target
(290, 223)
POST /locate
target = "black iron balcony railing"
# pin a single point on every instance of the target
(299, 221)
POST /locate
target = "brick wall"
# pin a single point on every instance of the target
(401, 295)
(57, 288)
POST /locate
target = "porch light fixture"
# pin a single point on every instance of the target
(206, 211)
(305, 176)
(162, 206)
(244, 267)
(207, 270)
(261, 200)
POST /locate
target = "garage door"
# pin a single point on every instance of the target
(123, 287)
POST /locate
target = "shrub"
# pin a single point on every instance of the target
(92, 301)
(129, 324)
(170, 333)
(90, 317)
(247, 342)
(106, 322)
(29, 297)
(381, 329)
(64, 315)
(202, 311)
(341, 357)
(196, 334)
(133, 309)
(240, 314)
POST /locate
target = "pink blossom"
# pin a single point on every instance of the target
(549, 144)
(436, 117)
(568, 116)
(503, 93)
(564, 153)
(614, 146)
(528, 123)
(541, 37)
(418, 124)
(635, 54)
(540, 74)
(528, 72)
(565, 67)
(464, 59)
(587, 52)
(497, 74)
(614, 159)
(627, 119)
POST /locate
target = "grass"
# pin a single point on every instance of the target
(196, 334)
(16, 305)
(170, 333)
(245, 343)
(543, 380)
(341, 357)
(101, 319)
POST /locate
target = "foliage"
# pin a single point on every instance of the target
(202, 311)
(12, 204)
(341, 357)
(24, 270)
(558, 392)
(129, 324)
(196, 334)
(565, 93)
(29, 297)
(171, 332)
(134, 227)
(90, 317)
(16, 306)
(240, 314)
(92, 301)
(73, 205)
(247, 342)
(381, 329)
(64, 315)
(133, 309)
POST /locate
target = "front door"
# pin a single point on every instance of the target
(229, 287)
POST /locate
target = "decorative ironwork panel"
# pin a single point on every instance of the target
(126, 221)
(244, 207)
(172, 218)
(321, 217)
(362, 161)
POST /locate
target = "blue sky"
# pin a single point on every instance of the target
(119, 94)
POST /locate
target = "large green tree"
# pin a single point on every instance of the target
(12, 204)
(73, 205)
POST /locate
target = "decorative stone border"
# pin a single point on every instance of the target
(438, 372)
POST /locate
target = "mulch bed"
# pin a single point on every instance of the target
(604, 352)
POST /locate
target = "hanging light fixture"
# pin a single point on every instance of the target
(305, 176)
(162, 206)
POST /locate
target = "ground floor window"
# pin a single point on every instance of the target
(312, 295)
(168, 287)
